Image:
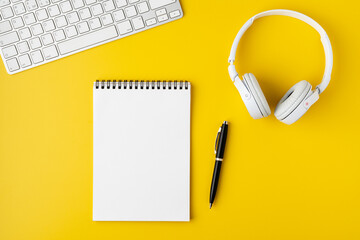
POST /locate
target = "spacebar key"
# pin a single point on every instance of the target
(159, 3)
(87, 40)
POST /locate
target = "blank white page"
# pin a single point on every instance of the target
(141, 169)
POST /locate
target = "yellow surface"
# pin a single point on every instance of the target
(278, 181)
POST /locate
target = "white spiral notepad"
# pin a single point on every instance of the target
(141, 168)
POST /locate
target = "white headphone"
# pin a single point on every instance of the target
(300, 97)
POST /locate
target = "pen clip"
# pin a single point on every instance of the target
(217, 138)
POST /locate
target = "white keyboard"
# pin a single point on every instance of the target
(35, 32)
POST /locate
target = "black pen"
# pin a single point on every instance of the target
(220, 143)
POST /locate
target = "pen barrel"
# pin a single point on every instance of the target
(222, 141)
(215, 180)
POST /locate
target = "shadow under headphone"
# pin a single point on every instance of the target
(300, 97)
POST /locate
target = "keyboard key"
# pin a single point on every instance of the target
(73, 17)
(120, 3)
(150, 22)
(124, 27)
(37, 56)
(29, 18)
(88, 2)
(35, 43)
(9, 38)
(59, 35)
(41, 14)
(4, 2)
(95, 23)
(48, 25)
(133, 1)
(19, 8)
(60, 21)
(71, 31)
(96, 9)
(31, 5)
(85, 13)
(143, 7)
(7, 12)
(130, 11)
(78, 3)
(25, 33)
(65, 7)
(159, 3)
(119, 15)
(138, 23)
(13, 65)
(108, 5)
(106, 19)
(5, 27)
(83, 27)
(43, 3)
(37, 29)
(175, 14)
(160, 12)
(163, 18)
(50, 52)
(23, 47)
(54, 10)
(9, 51)
(47, 39)
(17, 22)
(87, 40)
(24, 61)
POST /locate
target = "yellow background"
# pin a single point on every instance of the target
(278, 181)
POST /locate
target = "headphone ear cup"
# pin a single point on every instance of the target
(256, 92)
(285, 109)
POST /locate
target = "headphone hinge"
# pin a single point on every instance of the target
(232, 72)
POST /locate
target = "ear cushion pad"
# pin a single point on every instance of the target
(254, 87)
(292, 99)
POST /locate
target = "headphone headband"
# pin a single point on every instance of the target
(280, 12)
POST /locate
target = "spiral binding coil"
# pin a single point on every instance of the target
(124, 84)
